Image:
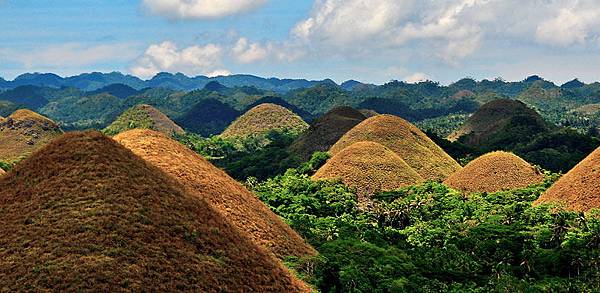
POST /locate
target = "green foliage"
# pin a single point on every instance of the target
(430, 238)
(317, 160)
(130, 119)
(6, 165)
(260, 157)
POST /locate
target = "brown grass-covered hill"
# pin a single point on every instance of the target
(86, 214)
(493, 172)
(23, 132)
(370, 168)
(406, 140)
(325, 131)
(499, 118)
(579, 189)
(262, 119)
(145, 117)
(222, 192)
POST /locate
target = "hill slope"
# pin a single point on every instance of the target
(406, 140)
(23, 132)
(222, 192)
(325, 131)
(145, 117)
(579, 189)
(86, 214)
(262, 119)
(493, 172)
(370, 168)
(208, 117)
(500, 122)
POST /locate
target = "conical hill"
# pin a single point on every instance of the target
(86, 214)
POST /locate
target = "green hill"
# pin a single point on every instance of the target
(144, 117)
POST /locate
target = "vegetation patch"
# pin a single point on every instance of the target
(145, 117)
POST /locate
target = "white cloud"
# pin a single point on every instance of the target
(576, 24)
(417, 77)
(247, 52)
(200, 9)
(193, 60)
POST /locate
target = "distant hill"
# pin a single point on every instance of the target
(96, 217)
(23, 132)
(143, 117)
(325, 131)
(262, 119)
(208, 117)
(96, 80)
(283, 103)
(118, 90)
(92, 111)
(500, 122)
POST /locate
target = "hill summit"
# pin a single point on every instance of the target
(262, 119)
(493, 172)
(23, 132)
(370, 168)
(325, 131)
(579, 189)
(404, 139)
(219, 190)
(145, 117)
(86, 214)
(500, 120)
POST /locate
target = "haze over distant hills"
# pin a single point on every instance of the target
(178, 81)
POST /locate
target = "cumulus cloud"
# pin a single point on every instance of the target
(365, 26)
(576, 24)
(193, 60)
(247, 52)
(200, 9)
(70, 55)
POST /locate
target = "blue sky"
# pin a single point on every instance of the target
(372, 41)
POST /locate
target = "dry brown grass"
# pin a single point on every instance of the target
(223, 193)
(143, 116)
(370, 168)
(23, 132)
(326, 131)
(579, 189)
(86, 214)
(262, 119)
(495, 171)
(406, 140)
